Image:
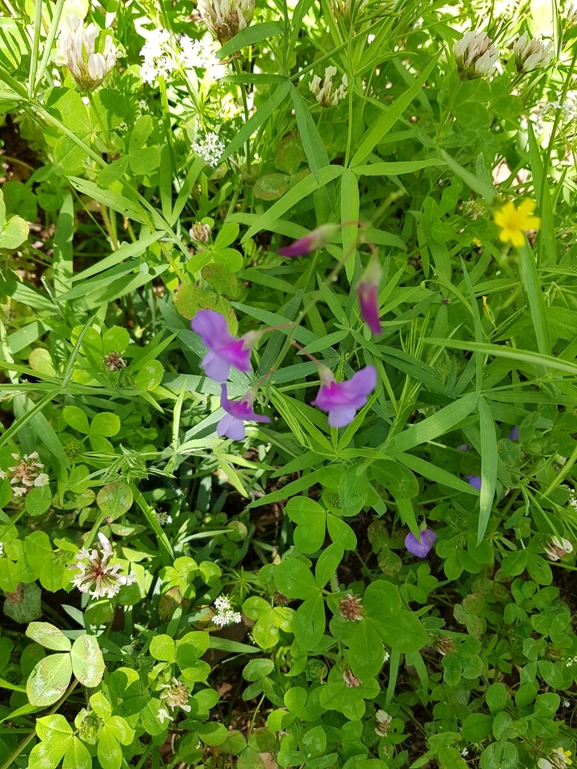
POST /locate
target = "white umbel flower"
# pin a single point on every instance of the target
(77, 50)
(210, 149)
(226, 18)
(476, 55)
(97, 576)
(326, 92)
(225, 614)
(531, 54)
(201, 54)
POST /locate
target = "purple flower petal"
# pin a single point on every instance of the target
(475, 481)
(367, 293)
(343, 399)
(514, 434)
(420, 548)
(231, 427)
(300, 247)
(225, 350)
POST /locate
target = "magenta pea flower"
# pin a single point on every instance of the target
(237, 413)
(224, 350)
(343, 399)
(421, 547)
(474, 481)
(367, 293)
(317, 238)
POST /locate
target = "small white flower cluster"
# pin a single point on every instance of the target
(325, 92)
(546, 111)
(210, 148)
(77, 50)
(175, 695)
(97, 576)
(225, 615)
(475, 54)
(531, 54)
(570, 662)
(387, 657)
(159, 59)
(163, 53)
(465, 752)
(25, 472)
(201, 54)
(163, 518)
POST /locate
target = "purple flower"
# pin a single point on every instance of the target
(317, 238)
(237, 413)
(343, 399)
(474, 480)
(367, 293)
(514, 434)
(420, 548)
(224, 350)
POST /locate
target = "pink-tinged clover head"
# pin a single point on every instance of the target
(317, 238)
(474, 481)
(224, 350)
(367, 291)
(237, 413)
(421, 547)
(343, 399)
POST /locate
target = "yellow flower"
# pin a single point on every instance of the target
(514, 222)
(476, 242)
(567, 754)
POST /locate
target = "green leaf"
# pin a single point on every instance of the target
(162, 647)
(38, 500)
(49, 679)
(313, 146)
(108, 750)
(341, 532)
(366, 654)
(311, 518)
(256, 33)
(106, 424)
(294, 579)
(49, 636)
(150, 375)
(309, 621)
(271, 186)
(500, 755)
(398, 480)
(396, 168)
(532, 286)
(382, 601)
(76, 418)
(353, 490)
(496, 697)
(380, 128)
(328, 563)
(477, 726)
(115, 499)
(120, 729)
(77, 756)
(257, 669)
(87, 661)
(14, 233)
(478, 185)
(406, 634)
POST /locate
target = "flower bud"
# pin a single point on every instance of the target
(383, 722)
(350, 679)
(367, 292)
(77, 50)
(200, 232)
(351, 608)
(531, 54)
(325, 92)
(476, 55)
(317, 238)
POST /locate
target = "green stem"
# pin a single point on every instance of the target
(35, 46)
(10, 760)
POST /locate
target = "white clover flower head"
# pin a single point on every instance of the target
(325, 92)
(225, 614)
(226, 18)
(77, 50)
(209, 148)
(476, 55)
(176, 695)
(383, 722)
(558, 548)
(24, 475)
(566, 704)
(531, 54)
(159, 56)
(97, 576)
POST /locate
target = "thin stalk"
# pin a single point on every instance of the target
(35, 47)
(48, 43)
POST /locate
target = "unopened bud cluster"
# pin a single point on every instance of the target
(78, 45)
(325, 91)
